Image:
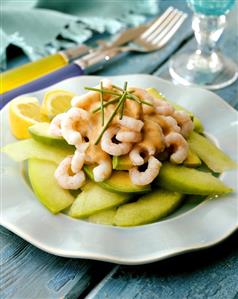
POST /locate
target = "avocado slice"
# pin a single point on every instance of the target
(189, 181)
(29, 148)
(149, 208)
(46, 188)
(210, 154)
(119, 182)
(104, 217)
(121, 162)
(192, 159)
(94, 199)
(40, 132)
(198, 126)
(124, 163)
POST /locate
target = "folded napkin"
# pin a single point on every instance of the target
(42, 27)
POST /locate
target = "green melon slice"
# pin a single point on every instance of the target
(105, 217)
(189, 181)
(46, 188)
(94, 199)
(29, 148)
(210, 154)
(149, 208)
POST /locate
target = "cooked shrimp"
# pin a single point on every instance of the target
(184, 121)
(153, 141)
(55, 125)
(163, 107)
(145, 96)
(131, 123)
(77, 161)
(84, 100)
(83, 147)
(132, 109)
(107, 83)
(103, 170)
(147, 176)
(124, 135)
(135, 156)
(180, 146)
(69, 124)
(114, 149)
(79, 157)
(95, 155)
(63, 177)
(168, 124)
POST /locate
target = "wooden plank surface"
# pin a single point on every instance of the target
(27, 272)
(49, 276)
(210, 273)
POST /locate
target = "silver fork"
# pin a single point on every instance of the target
(160, 32)
(156, 36)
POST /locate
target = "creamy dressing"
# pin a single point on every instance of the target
(149, 127)
(152, 133)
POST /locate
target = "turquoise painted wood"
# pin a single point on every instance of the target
(27, 272)
(208, 274)
(211, 273)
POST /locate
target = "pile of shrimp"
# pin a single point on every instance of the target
(147, 134)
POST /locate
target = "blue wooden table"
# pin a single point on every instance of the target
(27, 272)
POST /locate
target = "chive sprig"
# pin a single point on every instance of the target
(121, 96)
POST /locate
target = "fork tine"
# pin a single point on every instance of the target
(173, 30)
(161, 28)
(163, 37)
(157, 23)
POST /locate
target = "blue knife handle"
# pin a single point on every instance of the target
(69, 71)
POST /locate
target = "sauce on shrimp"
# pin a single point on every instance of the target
(142, 127)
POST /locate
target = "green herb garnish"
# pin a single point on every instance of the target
(129, 94)
(106, 104)
(117, 87)
(105, 91)
(111, 117)
(101, 100)
(139, 101)
(123, 103)
(122, 95)
(146, 103)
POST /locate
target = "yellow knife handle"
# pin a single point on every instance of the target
(28, 72)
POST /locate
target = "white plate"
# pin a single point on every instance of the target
(196, 225)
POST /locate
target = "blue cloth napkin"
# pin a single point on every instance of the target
(42, 27)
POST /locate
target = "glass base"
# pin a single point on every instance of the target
(213, 72)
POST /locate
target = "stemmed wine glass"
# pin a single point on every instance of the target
(206, 66)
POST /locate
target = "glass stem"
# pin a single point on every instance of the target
(207, 30)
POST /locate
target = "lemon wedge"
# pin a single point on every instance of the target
(56, 101)
(23, 113)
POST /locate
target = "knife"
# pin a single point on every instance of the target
(31, 71)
